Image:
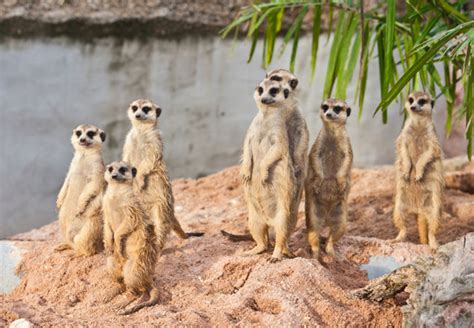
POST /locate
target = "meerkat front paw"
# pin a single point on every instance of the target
(264, 176)
(246, 175)
(418, 175)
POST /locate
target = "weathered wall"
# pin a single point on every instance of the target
(204, 85)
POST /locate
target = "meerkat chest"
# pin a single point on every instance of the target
(417, 142)
(140, 145)
(331, 154)
(114, 209)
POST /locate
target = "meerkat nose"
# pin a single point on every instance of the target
(412, 107)
(329, 115)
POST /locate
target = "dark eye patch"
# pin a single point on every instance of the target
(91, 134)
(146, 109)
(324, 107)
(274, 91)
(260, 90)
(421, 102)
(410, 100)
(134, 108)
(78, 133)
(123, 170)
(337, 109)
(111, 169)
(276, 78)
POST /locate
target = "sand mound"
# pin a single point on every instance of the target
(204, 281)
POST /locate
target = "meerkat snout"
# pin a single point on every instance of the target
(333, 110)
(143, 111)
(420, 102)
(120, 172)
(87, 136)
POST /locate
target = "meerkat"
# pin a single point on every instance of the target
(144, 149)
(298, 138)
(268, 173)
(79, 200)
(129, 238)
(419, 171)
(329, 177)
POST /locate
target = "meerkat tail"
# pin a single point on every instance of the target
(180, 232)
(152, 301)
(236, 238)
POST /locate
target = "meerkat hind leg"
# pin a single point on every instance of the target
(433, 223)
(62, 247)
(281, 237)
(259, 231)
(337, 228)
(152, 300)
(422, 228)
(312, 226)
(399, 219)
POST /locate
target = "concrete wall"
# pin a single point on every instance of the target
(204, 86)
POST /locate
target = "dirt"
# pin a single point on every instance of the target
(205, 282)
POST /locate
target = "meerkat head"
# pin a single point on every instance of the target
(120, 172)
(270, 93)
(286, 78)
(419, 103)
(87, 136)
(143, 111)
(335, 111)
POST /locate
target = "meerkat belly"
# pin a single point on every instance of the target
(78, 180)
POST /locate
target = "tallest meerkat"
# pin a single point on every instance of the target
(143, 149)
(419, 171)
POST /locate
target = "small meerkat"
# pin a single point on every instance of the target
(143, 149)
(129, 238)
(79, 200)
(329, 177)
(419, 171)
(268, 172)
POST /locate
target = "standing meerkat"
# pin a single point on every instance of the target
(268, 173)
(419, 171)
(129, 238)
(79, 200)
(329, 177)
(298, 137)
(144, 149)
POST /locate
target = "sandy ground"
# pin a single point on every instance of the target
(204, 281)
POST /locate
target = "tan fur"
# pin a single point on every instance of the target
(144, 149)
(129, 237)
(268, 173)
(419, 172)
(79, 200)
(329, 177)
(298, 137)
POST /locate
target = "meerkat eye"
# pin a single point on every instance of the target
(123, 170)
(111, 169)
(146, 109)
(421, 102)
(78, 133)
(410, 100)
(134, 108)
(276, 78)
(337, 109)
(91, 134)
(260, 90)
(274, 91)
(325, 108)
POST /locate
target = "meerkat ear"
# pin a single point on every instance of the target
(134, 172)
(348, 111)
(293, 83)
(286, 92)
(432, 103)
(158, 111)
(102, 135)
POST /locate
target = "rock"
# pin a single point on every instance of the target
(21, 323)
(441, 287)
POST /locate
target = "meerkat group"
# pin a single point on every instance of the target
(127, 208)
